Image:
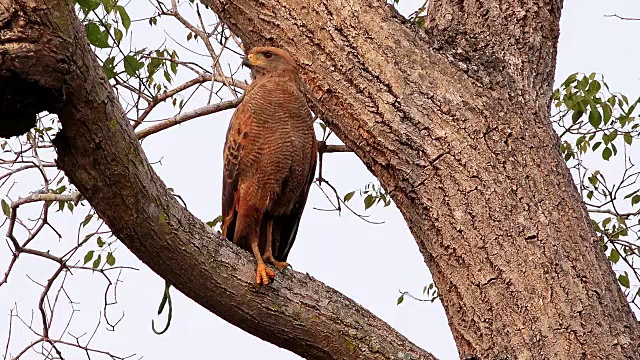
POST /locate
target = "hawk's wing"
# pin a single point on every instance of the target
(234, 147)
(286, 225)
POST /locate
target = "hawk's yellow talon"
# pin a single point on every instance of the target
(264, 274)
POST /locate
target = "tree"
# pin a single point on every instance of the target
(454, 121)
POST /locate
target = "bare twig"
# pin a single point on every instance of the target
(206, 110)
(622, 17)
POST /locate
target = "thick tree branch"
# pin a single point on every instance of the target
(499, 44)
(454, 122)
(101, 155)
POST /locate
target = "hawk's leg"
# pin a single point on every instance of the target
(246, 233)
(263, 273)
(268, 251)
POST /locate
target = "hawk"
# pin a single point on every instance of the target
(269, 161)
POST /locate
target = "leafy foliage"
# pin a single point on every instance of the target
(372, 194)
(106, 24)
(596, 121)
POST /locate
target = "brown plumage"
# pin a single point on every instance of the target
(269, 161)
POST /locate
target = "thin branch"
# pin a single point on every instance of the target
(324, 148)
(46, 197)
(206, 110)
(622, 17)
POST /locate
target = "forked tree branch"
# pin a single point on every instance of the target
(479, 191)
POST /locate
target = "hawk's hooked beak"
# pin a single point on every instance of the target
(246, 61)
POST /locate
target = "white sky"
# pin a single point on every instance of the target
(340, 251)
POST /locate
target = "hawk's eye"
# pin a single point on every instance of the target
(268, 55)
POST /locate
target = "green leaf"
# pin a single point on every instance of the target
(153, 65)
(631, 108)
(576, 115)
(86, 220)
(100, 241)
(623, 120)
(635, 199)
(628, 138)
(132, 65)
(109, 67)
(614, 257)
(174, 67)
(624, 280)
(594, 87)
(117, 33)
(606, 153)
(595, 119)
(6, 209)
(96, 262)
(88, 256)
(400, 299)
(215, 221)
(583, 83)
(606, 112)
(88, 5)
(111, 260)
(97, 37)
(348, 196)
(570, 79)
(369, 201)
(631, 194)
(126, 20)
(108, 5)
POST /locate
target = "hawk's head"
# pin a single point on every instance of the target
(266, 60)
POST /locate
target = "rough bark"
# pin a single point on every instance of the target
(100, 154)
(454, 120)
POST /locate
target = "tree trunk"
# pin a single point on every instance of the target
(101, 155)
(454, 121)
